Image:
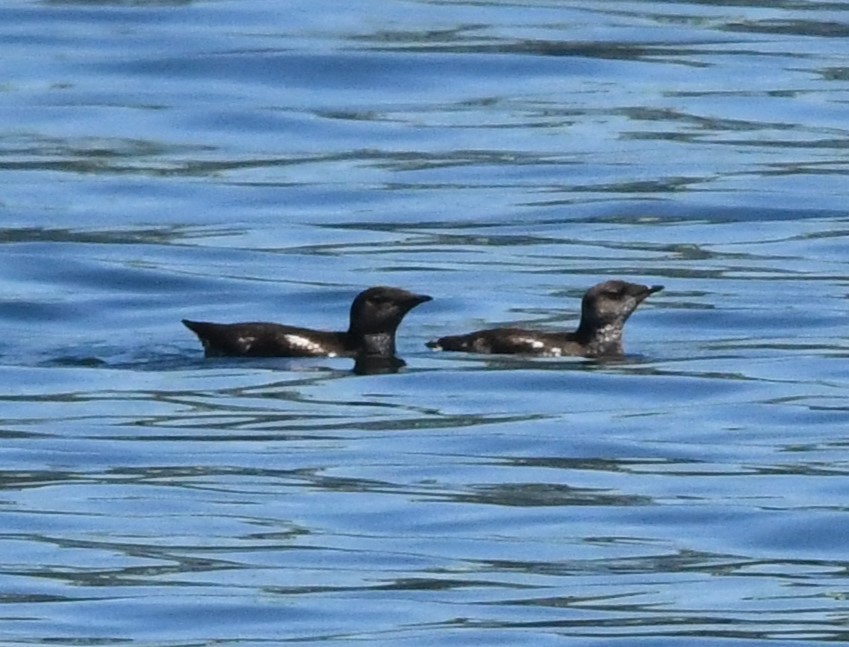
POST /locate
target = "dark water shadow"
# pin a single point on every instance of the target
(179, 361)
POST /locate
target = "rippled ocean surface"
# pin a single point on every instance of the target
(247, 160)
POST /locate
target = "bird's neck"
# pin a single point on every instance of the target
(603, 339)
(381, 344)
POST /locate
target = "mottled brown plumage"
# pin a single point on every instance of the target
(375, 315)
(604, 310)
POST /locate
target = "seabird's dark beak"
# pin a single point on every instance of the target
(643, 291)
(417, 299)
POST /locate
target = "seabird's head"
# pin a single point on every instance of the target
(379, 310)
(609, 304)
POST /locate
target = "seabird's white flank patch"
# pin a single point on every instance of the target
(246, 343)
(304, 344)
(537, 345)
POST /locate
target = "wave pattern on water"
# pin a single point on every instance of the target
(249, 160)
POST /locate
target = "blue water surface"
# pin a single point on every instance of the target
(246, 160)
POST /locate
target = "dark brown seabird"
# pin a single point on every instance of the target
(375, 315)
(604, 310)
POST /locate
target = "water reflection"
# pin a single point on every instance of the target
(546, 494)
(118, 3)
(375, 365)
